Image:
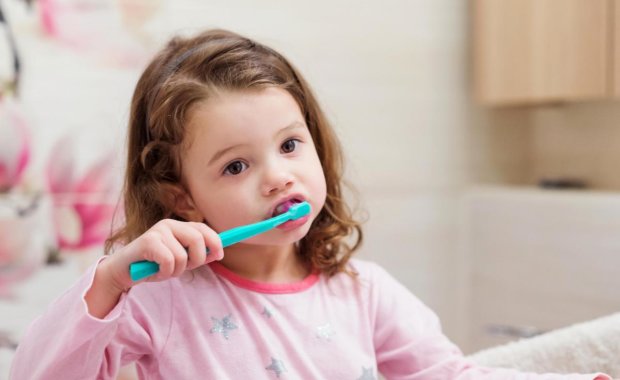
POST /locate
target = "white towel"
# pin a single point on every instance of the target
(592, 346)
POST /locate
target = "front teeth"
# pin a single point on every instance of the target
(284, 206)
(281, 209)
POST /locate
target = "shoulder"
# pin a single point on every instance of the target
(368, 271)
(369, 280)
(380, 285)
(389, 298)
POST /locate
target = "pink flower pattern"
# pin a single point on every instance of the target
(14, 145)
(90, 197)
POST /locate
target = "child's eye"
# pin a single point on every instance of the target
(289, 145)
(235, 168)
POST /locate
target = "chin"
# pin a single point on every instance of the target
(293, 236)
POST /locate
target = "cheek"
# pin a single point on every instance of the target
(319, 182)
(226, 209)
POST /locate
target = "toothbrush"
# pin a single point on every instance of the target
(144, 268)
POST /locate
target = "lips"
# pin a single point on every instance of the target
(283, 206)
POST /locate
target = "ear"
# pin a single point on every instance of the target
(181, 203)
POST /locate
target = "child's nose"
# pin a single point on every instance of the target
(276, 180)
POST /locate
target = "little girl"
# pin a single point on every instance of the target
(224, 132)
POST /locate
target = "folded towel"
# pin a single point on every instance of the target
(592, 346)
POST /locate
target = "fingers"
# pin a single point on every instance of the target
(212, 242)
(181, 246)
(177, 260)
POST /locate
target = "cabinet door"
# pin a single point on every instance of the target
(540, 260)
(616, 85)
(533, 51)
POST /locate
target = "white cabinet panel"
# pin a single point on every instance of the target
(540, 260)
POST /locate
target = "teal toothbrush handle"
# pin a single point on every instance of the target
(144, 268)
(237, 234)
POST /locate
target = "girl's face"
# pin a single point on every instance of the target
(249, 157)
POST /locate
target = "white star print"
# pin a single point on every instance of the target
(266, 312)
(277, 366)
(367, 374)
(223, 326)
(325, 332)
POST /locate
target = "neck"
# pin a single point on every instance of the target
(275, 264)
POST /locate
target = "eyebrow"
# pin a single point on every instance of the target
(293, 125)
(220, 153)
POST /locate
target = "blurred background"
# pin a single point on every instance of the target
(482, 137)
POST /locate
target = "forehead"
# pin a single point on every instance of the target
(243, 114)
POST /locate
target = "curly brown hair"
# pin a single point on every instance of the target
(188, 70)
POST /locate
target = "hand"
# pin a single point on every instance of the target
(165, 243)
(176, 246)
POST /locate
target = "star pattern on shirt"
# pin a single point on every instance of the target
(266, 312)
(367, 374)
(325, 331)
(223, 326)
(277, 366)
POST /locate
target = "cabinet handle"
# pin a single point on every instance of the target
(6, 341)
(497, 329)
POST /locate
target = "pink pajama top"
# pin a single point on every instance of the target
(213, 324)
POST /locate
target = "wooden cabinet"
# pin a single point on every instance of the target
(536, 51)
(616, 59)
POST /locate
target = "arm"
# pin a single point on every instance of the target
(96, 327)
(66, 342)
(176, 246)
(103, 295)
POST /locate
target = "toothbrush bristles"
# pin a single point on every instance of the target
(300, 209)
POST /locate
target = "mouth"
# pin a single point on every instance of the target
(283, 207)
